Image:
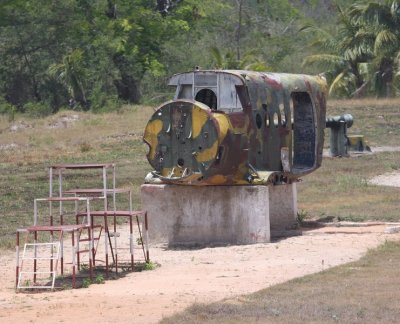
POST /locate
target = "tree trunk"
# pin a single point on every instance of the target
(386, 72)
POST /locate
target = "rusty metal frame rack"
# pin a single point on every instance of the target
(63, 167)
(114, 214)
(74, 229)
(143, 240)
(104, 193)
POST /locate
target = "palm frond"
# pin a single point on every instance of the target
(385, 41)
(326, 60)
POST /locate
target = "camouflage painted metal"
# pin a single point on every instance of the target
(228, 127)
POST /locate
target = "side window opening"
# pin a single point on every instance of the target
(208, 97)
(303, 131)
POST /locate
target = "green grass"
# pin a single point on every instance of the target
(365, 291)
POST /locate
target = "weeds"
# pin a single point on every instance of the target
(149, 266)
(301, 216)
(99, 279)
(86, 282)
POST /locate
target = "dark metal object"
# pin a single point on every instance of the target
(338, 136)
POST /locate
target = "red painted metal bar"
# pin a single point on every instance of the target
(82, 166)
(35, 255)
(73, 260)
(90, 253)
(131, 242)
(17, 257)
(147, 236)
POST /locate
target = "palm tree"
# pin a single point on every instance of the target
(71, 74)
(342, 54)
(229, 61)
(382, 21)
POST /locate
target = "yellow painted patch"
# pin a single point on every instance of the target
(224, 125)
(153, 128)
(217, 180)
(199, 118)
(208, 154)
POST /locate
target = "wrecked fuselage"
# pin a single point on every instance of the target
(228, 127)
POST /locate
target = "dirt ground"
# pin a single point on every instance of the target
(388, 179)
(188, 276)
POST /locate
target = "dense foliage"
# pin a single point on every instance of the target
(97, 54)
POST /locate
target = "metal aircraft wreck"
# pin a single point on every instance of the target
(228, 127)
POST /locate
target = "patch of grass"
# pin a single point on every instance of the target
(365, 291)
(99, 279)
(86, 282)
(301, 216)
(340, 189)
(146, 266)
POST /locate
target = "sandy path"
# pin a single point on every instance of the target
(187, 276)
(388, 179)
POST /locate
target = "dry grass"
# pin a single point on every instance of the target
(340, 189)
(365, 291)
(70, 133)
(377, 119)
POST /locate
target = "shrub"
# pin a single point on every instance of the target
(37, 109)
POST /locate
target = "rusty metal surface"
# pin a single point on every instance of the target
(237, 127)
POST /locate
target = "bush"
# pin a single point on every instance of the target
(37, 109)
(7, 109)
(101, 101)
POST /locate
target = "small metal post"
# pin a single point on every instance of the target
(147, 236)
(131, 241)
(51, 240)
(35, 257)
(17, 259)
(90, 237)
(73, 260)
(106, 237)
(105, 187)
(62, 252)
(51, 213)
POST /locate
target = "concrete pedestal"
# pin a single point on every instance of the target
(282, 208)
(216, 214)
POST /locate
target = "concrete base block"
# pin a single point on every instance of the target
(218, 214)
(207, 215)
(282, 208)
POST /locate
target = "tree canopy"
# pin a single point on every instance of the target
(97, 54)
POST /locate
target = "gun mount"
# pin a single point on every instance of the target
(340, 142)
